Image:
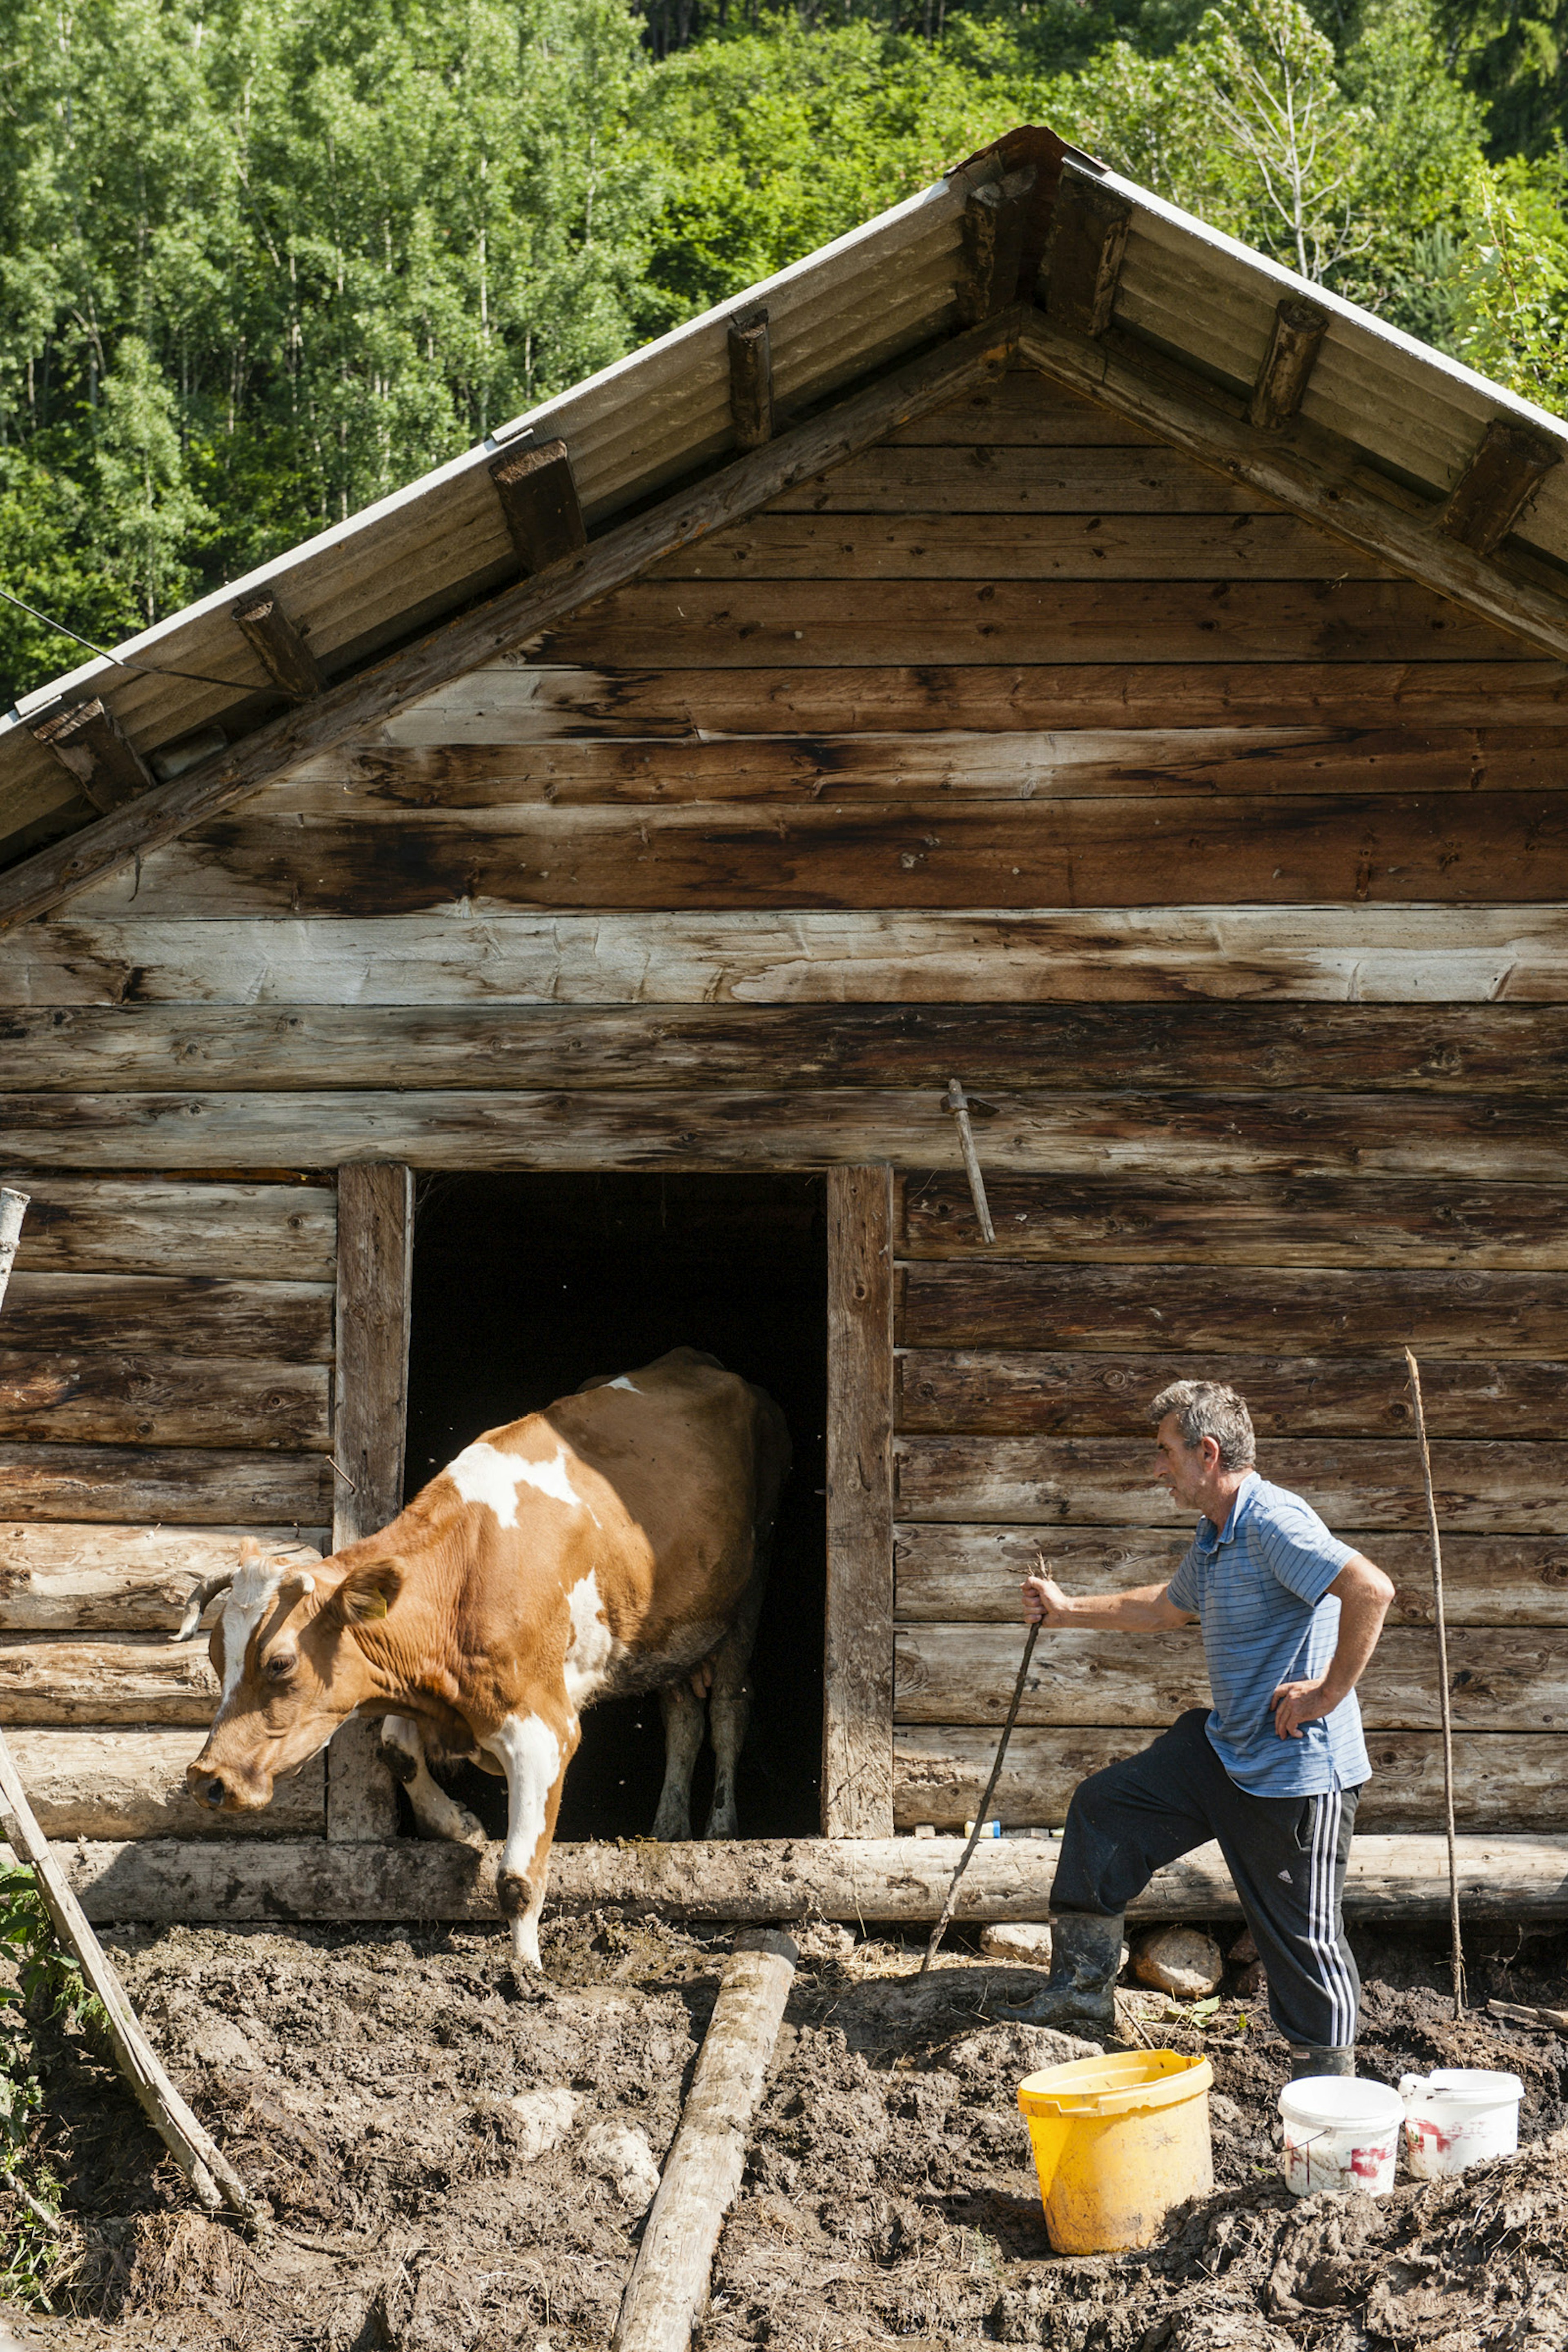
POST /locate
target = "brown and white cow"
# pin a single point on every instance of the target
(615, 1543)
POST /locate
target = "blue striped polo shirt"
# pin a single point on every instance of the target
(1259, 1585)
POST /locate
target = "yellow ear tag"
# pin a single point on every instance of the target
(374, 1604)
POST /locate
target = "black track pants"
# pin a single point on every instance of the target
(1286, 1854)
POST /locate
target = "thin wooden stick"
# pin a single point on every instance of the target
(956, 1101)
(668, 2284)
(1447, 1713)
(939, 1931)
(212, 2176)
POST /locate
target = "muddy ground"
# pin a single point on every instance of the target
(457, 2158)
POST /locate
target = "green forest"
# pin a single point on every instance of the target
(266, 260)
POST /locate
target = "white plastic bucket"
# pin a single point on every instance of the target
(1339, 2133)
(1459, 2115)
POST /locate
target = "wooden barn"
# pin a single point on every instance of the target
(1034, 642)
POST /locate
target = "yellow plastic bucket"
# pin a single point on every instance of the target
(1117, 2141)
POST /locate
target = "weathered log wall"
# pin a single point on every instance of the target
(1226, 869)
(165, 1379)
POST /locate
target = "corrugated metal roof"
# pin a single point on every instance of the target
(841, 315)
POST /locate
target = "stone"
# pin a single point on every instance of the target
(1182, 1961)
(546, 2118)
(620, 2155)
(1243, 1951)
(1020, 1940)
(1252, 1984)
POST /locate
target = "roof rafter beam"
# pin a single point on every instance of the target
(538, 494)
(1286, 365)
(1502, 477)
(89, 743)
(54, 875)
(278, 644)
(751, 378)
(1309, 472)
(1083, 258)
(992, 237)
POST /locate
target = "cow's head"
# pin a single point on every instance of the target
(288, 1664)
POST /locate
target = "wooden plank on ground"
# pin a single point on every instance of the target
(1499, 1778)
(376, 1276)
(1262, 1309)
(60, 1577)
(1405, 955)
(113, 1783)
(194, 1315)
(1351, 1482)
(1129, 852)
(1253, 1221)
(190, 1485)
(1452, 1050)
(857, 1753)
(950, 1572)
(753, 624)
(155, 1399)
(1511, 1678)
(1489, 1139)
(1501, 1876)
(147, 1224)
(1026, 1393)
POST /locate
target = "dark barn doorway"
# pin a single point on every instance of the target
(526, 1285)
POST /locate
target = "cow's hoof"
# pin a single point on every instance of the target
(469, 1832)
(723, 1823)
(672, 1827)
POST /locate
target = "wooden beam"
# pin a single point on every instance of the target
(1495, 488)
(375, 1272)
(1311, 473)
(904, 1880)
(1286, 365)
(372, 696)
(89, 743)
(539, 498)
(278, 644)
(751, 379)
(128, 1782)
(1083, 258)
(992, 234)
(67, 1577)
(857, 1680)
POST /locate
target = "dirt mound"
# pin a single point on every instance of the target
(458, 2158)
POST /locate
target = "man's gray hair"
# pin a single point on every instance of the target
(1207, 1408)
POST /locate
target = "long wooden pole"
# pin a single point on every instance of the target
(212, 2176)
(1445, 1706)
(975, 1834)
(668, 2284)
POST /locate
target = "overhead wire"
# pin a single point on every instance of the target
(141, 670)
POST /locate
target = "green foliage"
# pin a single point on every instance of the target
(51, 1989)
(1512, 279)
(264, 261)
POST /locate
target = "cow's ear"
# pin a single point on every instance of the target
(369, 1591)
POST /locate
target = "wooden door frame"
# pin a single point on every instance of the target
(370, 1430)
(858, 1677)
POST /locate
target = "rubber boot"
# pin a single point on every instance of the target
(1079, 1995)
(1321, 2062)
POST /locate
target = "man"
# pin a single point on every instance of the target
(1290, 1616)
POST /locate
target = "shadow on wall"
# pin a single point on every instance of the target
(526, 1285)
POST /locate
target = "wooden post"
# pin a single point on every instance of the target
(751, 378)
(88, 739)
(858, 1689)
(1288, 363)
(375, 1264)
(1083, 258)
(992, 246)
(1504, 473)
(278, 644)
(539, 498)
(668, 2284)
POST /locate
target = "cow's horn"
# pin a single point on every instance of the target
(202, 1593)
